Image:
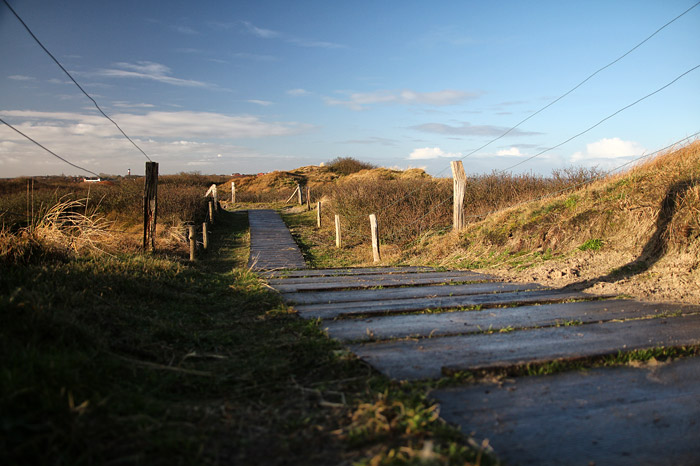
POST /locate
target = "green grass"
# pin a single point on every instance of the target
(591, 245)
(148, 360)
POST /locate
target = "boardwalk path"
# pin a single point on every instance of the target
(416, 323)
(271, 245)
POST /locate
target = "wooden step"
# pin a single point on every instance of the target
(329, 297)
(430, 358)
(378, 306)
(496, 319)
(290, 285)
(345, 271)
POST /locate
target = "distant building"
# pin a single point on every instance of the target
(91, 180)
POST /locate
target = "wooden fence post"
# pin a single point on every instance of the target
(459, 185)
(150, 206)
(205, 235)
(214, 194)
(318, 214)
(193, 242)
(301, 201)
(338, 240)
(211, 212)
(308, 198)
(233, 192)
(375, 238)
(293, 194)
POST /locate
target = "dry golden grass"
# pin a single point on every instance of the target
(637, 233)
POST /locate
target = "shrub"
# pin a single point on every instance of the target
(348, 165)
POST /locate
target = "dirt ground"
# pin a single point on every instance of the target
(673, 278)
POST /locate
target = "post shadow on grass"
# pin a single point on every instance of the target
(653, 250)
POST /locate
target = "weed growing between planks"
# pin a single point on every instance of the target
(635, 358)
(144, 360)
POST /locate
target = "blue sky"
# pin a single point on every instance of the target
(256, 86)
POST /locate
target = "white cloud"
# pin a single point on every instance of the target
(21, 77)
(175, 139)
(169, 125)
(260, 32)
(360, 100)
(431, 153)
(513, 151)
(263, 103)
(148, 70)
(122, 104)
(270, 34)
(298, 92)
(255, 57)
(467, 129)
(608, 149)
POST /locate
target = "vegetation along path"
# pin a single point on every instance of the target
(473, 330)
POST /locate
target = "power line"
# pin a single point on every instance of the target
(601, 121)
(48, 150)
(544, 196)
(564, 95)
(576, 135)
(74, 81)
(582, 82)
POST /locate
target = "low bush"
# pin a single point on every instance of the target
(348, 165)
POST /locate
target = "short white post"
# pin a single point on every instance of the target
(233, 192)
(205, 236)
(375, 238)
(338, 240)
(459, 185)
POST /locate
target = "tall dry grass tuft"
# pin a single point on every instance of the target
(63, 230)
(64, 227)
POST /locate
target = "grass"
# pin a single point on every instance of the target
(591, 245)
(140, 359)
(621, 358)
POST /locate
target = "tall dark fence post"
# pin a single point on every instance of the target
(150, 206)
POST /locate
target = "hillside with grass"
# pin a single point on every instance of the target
(635, 232)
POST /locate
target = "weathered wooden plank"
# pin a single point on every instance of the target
(345, 271)
(271, 244)
(495, 319)
(620, 416)
(426, 358)
(330, 311)
(453, 275)
(328, 297)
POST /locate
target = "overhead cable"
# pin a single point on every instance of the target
(555, 193)
(581, 83)
(601, 121)
(563, 95)
(74, 81)
(48, 150)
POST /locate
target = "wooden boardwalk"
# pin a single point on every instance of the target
(419, 323)
(271, 245)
